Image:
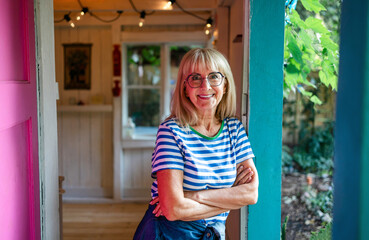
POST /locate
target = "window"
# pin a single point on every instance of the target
(150, 75)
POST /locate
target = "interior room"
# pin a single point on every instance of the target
(116, 65)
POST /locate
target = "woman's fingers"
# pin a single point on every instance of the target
(157, 208)
(155, 200)
(157, 211)
(243, 176)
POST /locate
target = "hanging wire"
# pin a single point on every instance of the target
(66, 17)
(99, 18)
(137, 11)
(189, 13)
(59, 21)
(106, 21)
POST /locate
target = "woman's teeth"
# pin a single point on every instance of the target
(206, 96)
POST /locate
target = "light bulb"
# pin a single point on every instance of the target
(167, 5)
(142, 18)
(78, 18)
(141, 23)
(207, 31)
(72, 24)
(208, 25)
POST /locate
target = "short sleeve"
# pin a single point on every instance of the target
(167, 153)
(242, 147)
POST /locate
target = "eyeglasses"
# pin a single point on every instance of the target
(214, 79)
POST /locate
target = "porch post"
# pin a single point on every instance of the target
(351, 178)
(265, 122)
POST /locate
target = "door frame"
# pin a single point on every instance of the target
(47, 94)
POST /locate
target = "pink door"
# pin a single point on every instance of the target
(19, 176)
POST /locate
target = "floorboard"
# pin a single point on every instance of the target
(101, 221)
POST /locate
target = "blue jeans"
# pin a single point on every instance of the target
(155, 228)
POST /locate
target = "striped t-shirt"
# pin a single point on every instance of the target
(206, 162)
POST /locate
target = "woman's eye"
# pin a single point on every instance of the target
(214, 76)
(196, 77)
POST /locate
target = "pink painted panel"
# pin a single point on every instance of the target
(13, 40)
(19, 176)
(16, 185)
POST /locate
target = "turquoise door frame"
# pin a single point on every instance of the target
(351, 177)
(265, 114)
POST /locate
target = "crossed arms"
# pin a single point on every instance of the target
(176, 204)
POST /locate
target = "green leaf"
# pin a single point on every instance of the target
(328, 43)
(327, 67)
(304, 92)
(316, 100)
(316, 25)
(332, 79)
(306, 39)
(296, 20)
(323, 78)
(292, 69)
(313, 5)
(333, 57)
(295, 50)
(305, 71)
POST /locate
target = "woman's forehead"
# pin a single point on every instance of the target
(201, 68)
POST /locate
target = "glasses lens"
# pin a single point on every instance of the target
(195, 80)
(215, 79)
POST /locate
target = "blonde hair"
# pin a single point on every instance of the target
(202, 58)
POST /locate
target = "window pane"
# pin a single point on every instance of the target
(144, 106)
(143, 65)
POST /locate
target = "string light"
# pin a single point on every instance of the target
(209, 22)
(169, 4)
(142, 18)
(69, 20)
(82, 13)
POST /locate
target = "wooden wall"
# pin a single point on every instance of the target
(101, 61)
(85, 132)
(137, 183)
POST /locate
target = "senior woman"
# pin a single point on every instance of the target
(202, 161)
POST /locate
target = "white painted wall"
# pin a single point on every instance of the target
(101, 61)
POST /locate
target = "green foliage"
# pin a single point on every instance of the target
(284, 228)
(309, 49)
(313, 5)
(318, 202)
(314, 153)
(324, 233)
(286, 156)
(144, 55)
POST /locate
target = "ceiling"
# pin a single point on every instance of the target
(124, 5)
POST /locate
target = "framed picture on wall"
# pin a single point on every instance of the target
(77, 66)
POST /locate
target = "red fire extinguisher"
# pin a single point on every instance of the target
(117, 68)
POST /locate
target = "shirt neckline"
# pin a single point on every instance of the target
(209, 138)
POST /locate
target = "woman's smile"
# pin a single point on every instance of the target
(205, 96)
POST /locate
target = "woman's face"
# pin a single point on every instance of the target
(205, 97)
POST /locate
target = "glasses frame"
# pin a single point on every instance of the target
(202, 79)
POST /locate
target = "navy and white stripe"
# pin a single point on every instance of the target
(207, 163)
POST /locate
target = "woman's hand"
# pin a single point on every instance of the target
(157, 211)
(244, 175)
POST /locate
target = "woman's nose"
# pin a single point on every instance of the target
(205, 84)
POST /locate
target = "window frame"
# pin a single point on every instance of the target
(165, 88)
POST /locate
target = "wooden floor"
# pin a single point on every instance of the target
(101, 221)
